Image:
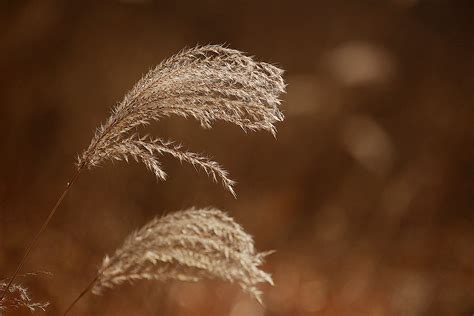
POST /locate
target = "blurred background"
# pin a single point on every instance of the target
(366, 194)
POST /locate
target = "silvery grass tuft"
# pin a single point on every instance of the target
(18, 298)
(208, 83)
(189, 245)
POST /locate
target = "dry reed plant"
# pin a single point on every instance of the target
(18, 298)
(189, 245)
(208, 83)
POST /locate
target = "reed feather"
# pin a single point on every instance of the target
(189, 245)
(208, 83)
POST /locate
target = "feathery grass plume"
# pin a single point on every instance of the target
(208, 83)
(188, 245)
(19, 297)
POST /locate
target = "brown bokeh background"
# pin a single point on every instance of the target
(366, 194)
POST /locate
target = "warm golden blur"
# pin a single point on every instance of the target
(366, 194)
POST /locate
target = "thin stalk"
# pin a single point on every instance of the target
(33, 243)
(86, 289)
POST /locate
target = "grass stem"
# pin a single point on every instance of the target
(88, 287)
(34, 241)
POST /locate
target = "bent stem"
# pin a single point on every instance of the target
(33, 243)
(88, 287)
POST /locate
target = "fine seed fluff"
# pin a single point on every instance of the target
(189, 245)
(18, 298)
(208, 83)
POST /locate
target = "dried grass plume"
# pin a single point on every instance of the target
(208, 83)
(18, 298)
(189, 245)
